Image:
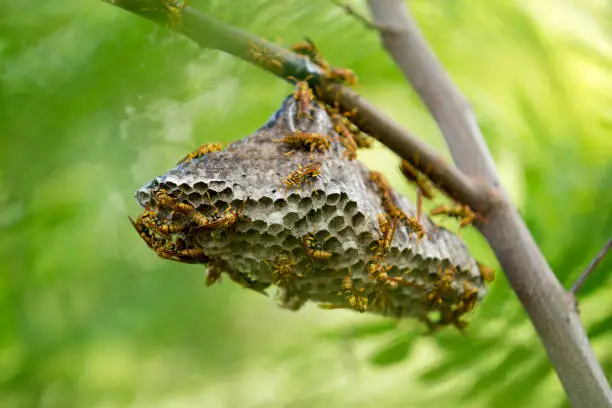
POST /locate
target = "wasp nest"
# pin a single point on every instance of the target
(287, 206)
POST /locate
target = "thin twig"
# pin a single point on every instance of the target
(538, 289)
(351, 12)
(585, 274)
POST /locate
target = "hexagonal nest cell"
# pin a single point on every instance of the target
(240, 211)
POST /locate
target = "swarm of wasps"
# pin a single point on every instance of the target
(168, 225)
(439, 297)
(353, 138)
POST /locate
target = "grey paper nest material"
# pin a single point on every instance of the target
(340, 207)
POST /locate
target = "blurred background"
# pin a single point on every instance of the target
(94, 102)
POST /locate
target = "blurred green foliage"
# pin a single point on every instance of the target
(94, 102)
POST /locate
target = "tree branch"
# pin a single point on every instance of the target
(361, 19)
(211, 33)
(583, 277)
(555, 319)
(402, 142)
(403, 40)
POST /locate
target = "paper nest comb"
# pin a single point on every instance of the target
(340, 207)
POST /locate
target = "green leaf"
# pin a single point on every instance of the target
(491, 378)
(394, 352)
(599, 328)
(460, 351)
(517, 391)
(359, 331)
